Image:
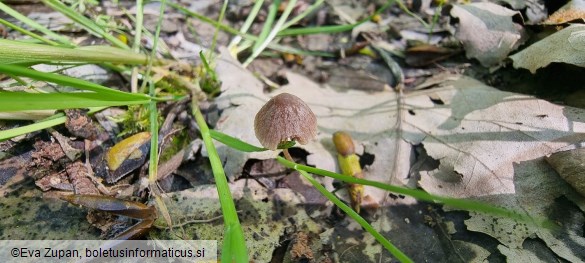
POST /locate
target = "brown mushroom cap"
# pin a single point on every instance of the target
(284, 118)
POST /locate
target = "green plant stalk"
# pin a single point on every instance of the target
(355, 216)
(234, 142)
(464, 204)
(272, 10)
(207, 67)
(153, 111)
(331, 29)
(153, 119)
(418, 194)
(302, 15)
(234, 31)
(248, 23)
(236, 242)
(28, 33)
(415, 16)
(54, 120)
(216, 33)
(210, 21)
(138, 22)
(87, 23)
(162, 47)
(264, 43)
(435, 20)
(61, 39)
(68, 81)
(139, 25)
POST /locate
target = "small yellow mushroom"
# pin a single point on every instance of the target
(349, 163)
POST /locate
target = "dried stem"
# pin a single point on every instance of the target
(287, 155)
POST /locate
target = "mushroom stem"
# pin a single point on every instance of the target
(287, 155)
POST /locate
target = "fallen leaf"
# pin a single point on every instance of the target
(571, 11)
(423, 55)
(569, 165)
(518, 255)
(491, 146)
(488, 144)
(487, 31)
(565, 46)
(516, 4)
(538, 190)
(264, 215)
(478, 133)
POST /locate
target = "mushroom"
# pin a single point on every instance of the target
(283, 119)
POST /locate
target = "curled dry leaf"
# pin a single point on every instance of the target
(569, 165)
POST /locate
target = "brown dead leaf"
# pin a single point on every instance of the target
(490, 145)
(565, 46)
(487, 31)
(572, 11)
(423, 55)
(478, 135)
(570, 166)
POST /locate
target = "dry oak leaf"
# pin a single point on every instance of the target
(565, 46)
(487, 31)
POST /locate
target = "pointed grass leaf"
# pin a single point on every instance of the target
(17, 101)
(12, 52)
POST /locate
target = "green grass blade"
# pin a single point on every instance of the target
(69, 81)
(265, 41)
(210, 21)
(162, 47)
(18, 101)
(292, 50)
(139, 24)
(85, 22)
(234, 31)
(21, 52)
(318, 30)
(153, 155)
(302, 15)
(219, 19)
(228, 243)
(28, 33)
(464, 204)
(355, 216)
(61, 39)
(411, 14)
(331, 29)
(152, 109)
(234, 142)
(54, 120)
(272, 11)
(238, 243)
(248, 23)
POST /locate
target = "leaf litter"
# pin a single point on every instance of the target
(489, 145)
(488, 31)
(564, 46)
